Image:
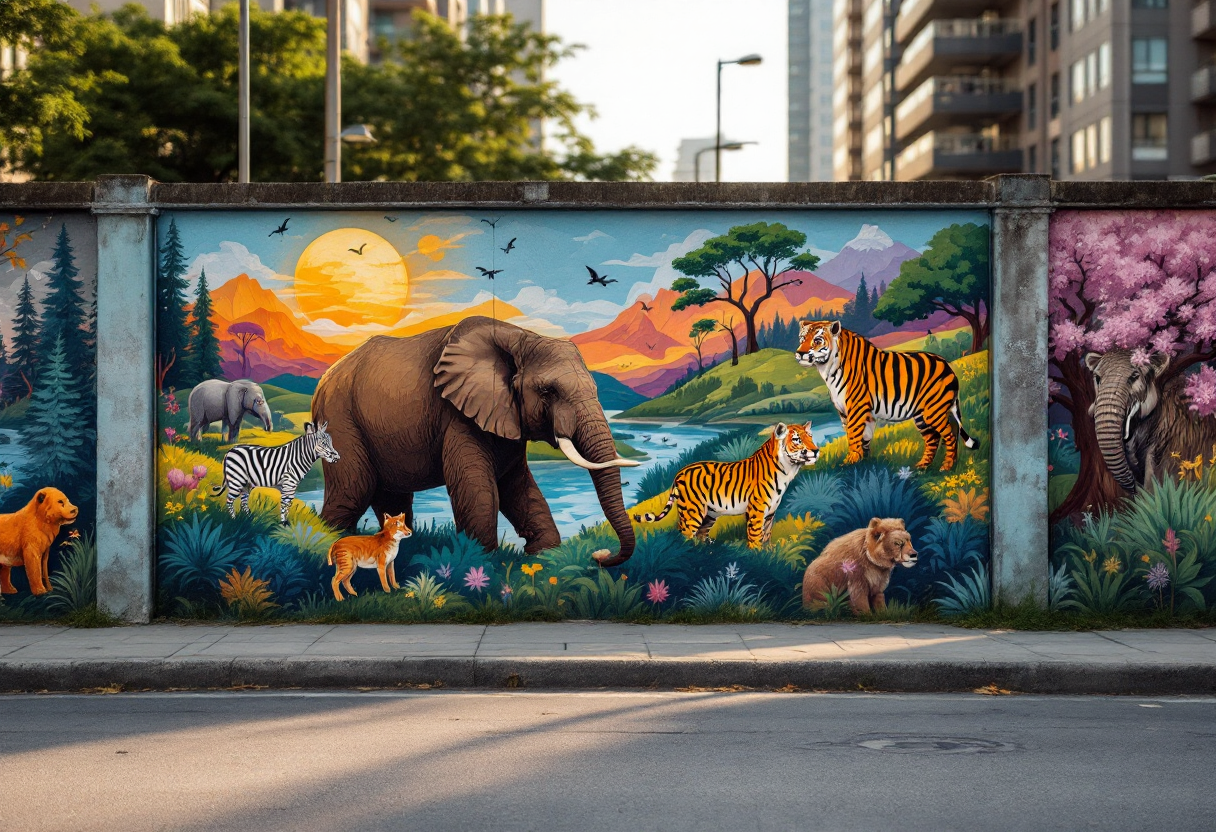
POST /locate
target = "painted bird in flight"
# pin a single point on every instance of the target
(282, 229)
(491, 223)
(489, 272)
(601, 279)
(650, 346)
(359, 250)
(510, 245)
(391, 219)
(645, 308)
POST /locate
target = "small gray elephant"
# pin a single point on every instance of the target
(226, 402)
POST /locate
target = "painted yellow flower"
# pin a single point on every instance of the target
(1091, 557)
(1111, 565)
(6, 481)
(440, 601)
(1207, 518)
(531, 569)
(409, 594)
(553, 580)
(1146, 559)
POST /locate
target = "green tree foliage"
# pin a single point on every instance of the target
(59, 436)
(25, 337)
(63, 310)
(858, 314)
(749, 262)
(205, 346)
(163, 101)
(700, 331)
(952, 276)
(172, 334)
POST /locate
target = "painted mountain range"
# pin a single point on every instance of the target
(871, 253)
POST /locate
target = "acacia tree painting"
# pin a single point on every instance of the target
(700, 331)
(1142, 281)
(952, 276)
(750, 263)
(246, 333)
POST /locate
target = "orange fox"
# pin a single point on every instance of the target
(369, 551)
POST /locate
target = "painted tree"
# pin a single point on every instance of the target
(858, 313)
(727, 325)
(9, 245)
(246, 333)
(1138, 280)
(701, 330)
(952, 276)
(749, 263)
(172, 334)
(59, 436)
(25, 337)
(63, 309)
(204, 346)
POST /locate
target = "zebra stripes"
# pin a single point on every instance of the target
(247, 467)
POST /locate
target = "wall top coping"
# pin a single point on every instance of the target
(1010, 191)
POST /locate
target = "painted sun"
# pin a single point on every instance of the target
(352, 276)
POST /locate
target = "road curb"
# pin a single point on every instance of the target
(1169, 678)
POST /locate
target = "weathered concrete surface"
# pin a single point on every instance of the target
(1020, 532)
(590, 655)
(45, 196)
(126, 397)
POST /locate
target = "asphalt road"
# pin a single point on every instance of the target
(434, 761)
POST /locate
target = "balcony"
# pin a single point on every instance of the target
(914, 14)
(1203, 85)
(953, 100)
(1203, 21)
(958, 156)
(945, 44)
(1203, 148)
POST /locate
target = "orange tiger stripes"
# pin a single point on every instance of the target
(867, 383)
(704, 491)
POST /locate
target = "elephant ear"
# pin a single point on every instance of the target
(475, 373)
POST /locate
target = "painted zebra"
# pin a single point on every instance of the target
(247, 467)
(867, 383)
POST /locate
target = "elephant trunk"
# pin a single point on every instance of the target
(593, 441)
(1112, 424)
(264, 413)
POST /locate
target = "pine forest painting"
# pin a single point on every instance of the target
(674, 416)
(1133, 411)
(48, 280)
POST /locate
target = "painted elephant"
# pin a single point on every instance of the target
(1145, 430)
(226, 402)
(456, 406)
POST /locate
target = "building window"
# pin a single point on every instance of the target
(1104, 140)
(1104, 66)
(1149, 61)
(1150, 4)
(1032, 107)
(1032, 41)
(1055, 95)
(1055, 158)
(1076, 16)
(1077, 75)
(1078, 151)
(1055, 26)
(1032, 159)
(1091, 146)
(1149, 137)
(1091, 74)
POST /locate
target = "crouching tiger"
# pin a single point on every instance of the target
(705, 491)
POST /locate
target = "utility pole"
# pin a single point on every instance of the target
(333, 91)
(243, 95)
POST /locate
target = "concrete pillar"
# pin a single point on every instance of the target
(126, 396)
(1020, 533)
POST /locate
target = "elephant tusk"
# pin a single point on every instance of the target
(1127, 425)
(574, 456)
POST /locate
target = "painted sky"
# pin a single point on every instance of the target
(417, 266)
(44, 229)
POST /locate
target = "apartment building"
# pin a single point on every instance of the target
(1080, 89)
(810, 90)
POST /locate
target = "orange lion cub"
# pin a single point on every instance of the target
(376, 551)
(860, 561)
(26, 536)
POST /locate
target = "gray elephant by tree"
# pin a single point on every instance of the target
(1141, 422)
(456, 406)
(227, 402)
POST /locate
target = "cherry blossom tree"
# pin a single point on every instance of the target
(1144, 281)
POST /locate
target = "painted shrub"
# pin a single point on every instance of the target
(1133, 435)
(450, 367)
(48, 279)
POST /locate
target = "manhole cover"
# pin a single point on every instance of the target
(935, 745)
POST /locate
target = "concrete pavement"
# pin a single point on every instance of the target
(591, 655)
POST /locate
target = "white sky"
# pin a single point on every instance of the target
(649, 70)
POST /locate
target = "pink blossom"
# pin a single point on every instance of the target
(170, 434)
(1141, 357)
(200, 471)
(1171, 542)
(848, 567)
(476, 578)
(656, 592)
(1201, 390)
(177, 479)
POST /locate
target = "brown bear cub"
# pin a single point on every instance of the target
(860, 561)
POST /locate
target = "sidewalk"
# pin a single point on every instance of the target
(590, 655)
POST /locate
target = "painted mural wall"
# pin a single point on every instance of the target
(1133, 430)
(542, 414)
(48, 462)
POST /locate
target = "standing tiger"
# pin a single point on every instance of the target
(705, 491)
(867, 383)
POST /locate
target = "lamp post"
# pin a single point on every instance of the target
(747, 60)
(696, 163)
(333, 91)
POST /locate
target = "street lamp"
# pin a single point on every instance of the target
(358, 134)
(715, 147)
(747, 60)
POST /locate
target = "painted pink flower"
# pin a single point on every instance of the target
(1171, 542)
(200, 471)
(445, 571)
(476, 578)
(848, 567)
(177, 479)
(170, 434)
(1201, 390)
(657, 592)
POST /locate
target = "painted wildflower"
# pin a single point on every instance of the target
(531, 569)
(506, 592)
(1171, 542)
(445, 571)
(74, 534)
(732, 570)
(848, 567)
(170, 434)
(657, 591)
(1146, 559)
(409, 594)
(1091, 556)
(440, 601)
(1061, 433)
(6, 480)
(476, 578)
(200, 471)
(553, 581)
(1111, 565)
(1158, 577)
(905, 472)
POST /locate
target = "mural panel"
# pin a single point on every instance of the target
(542, 414)
(48, 462)
(1133, 393)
